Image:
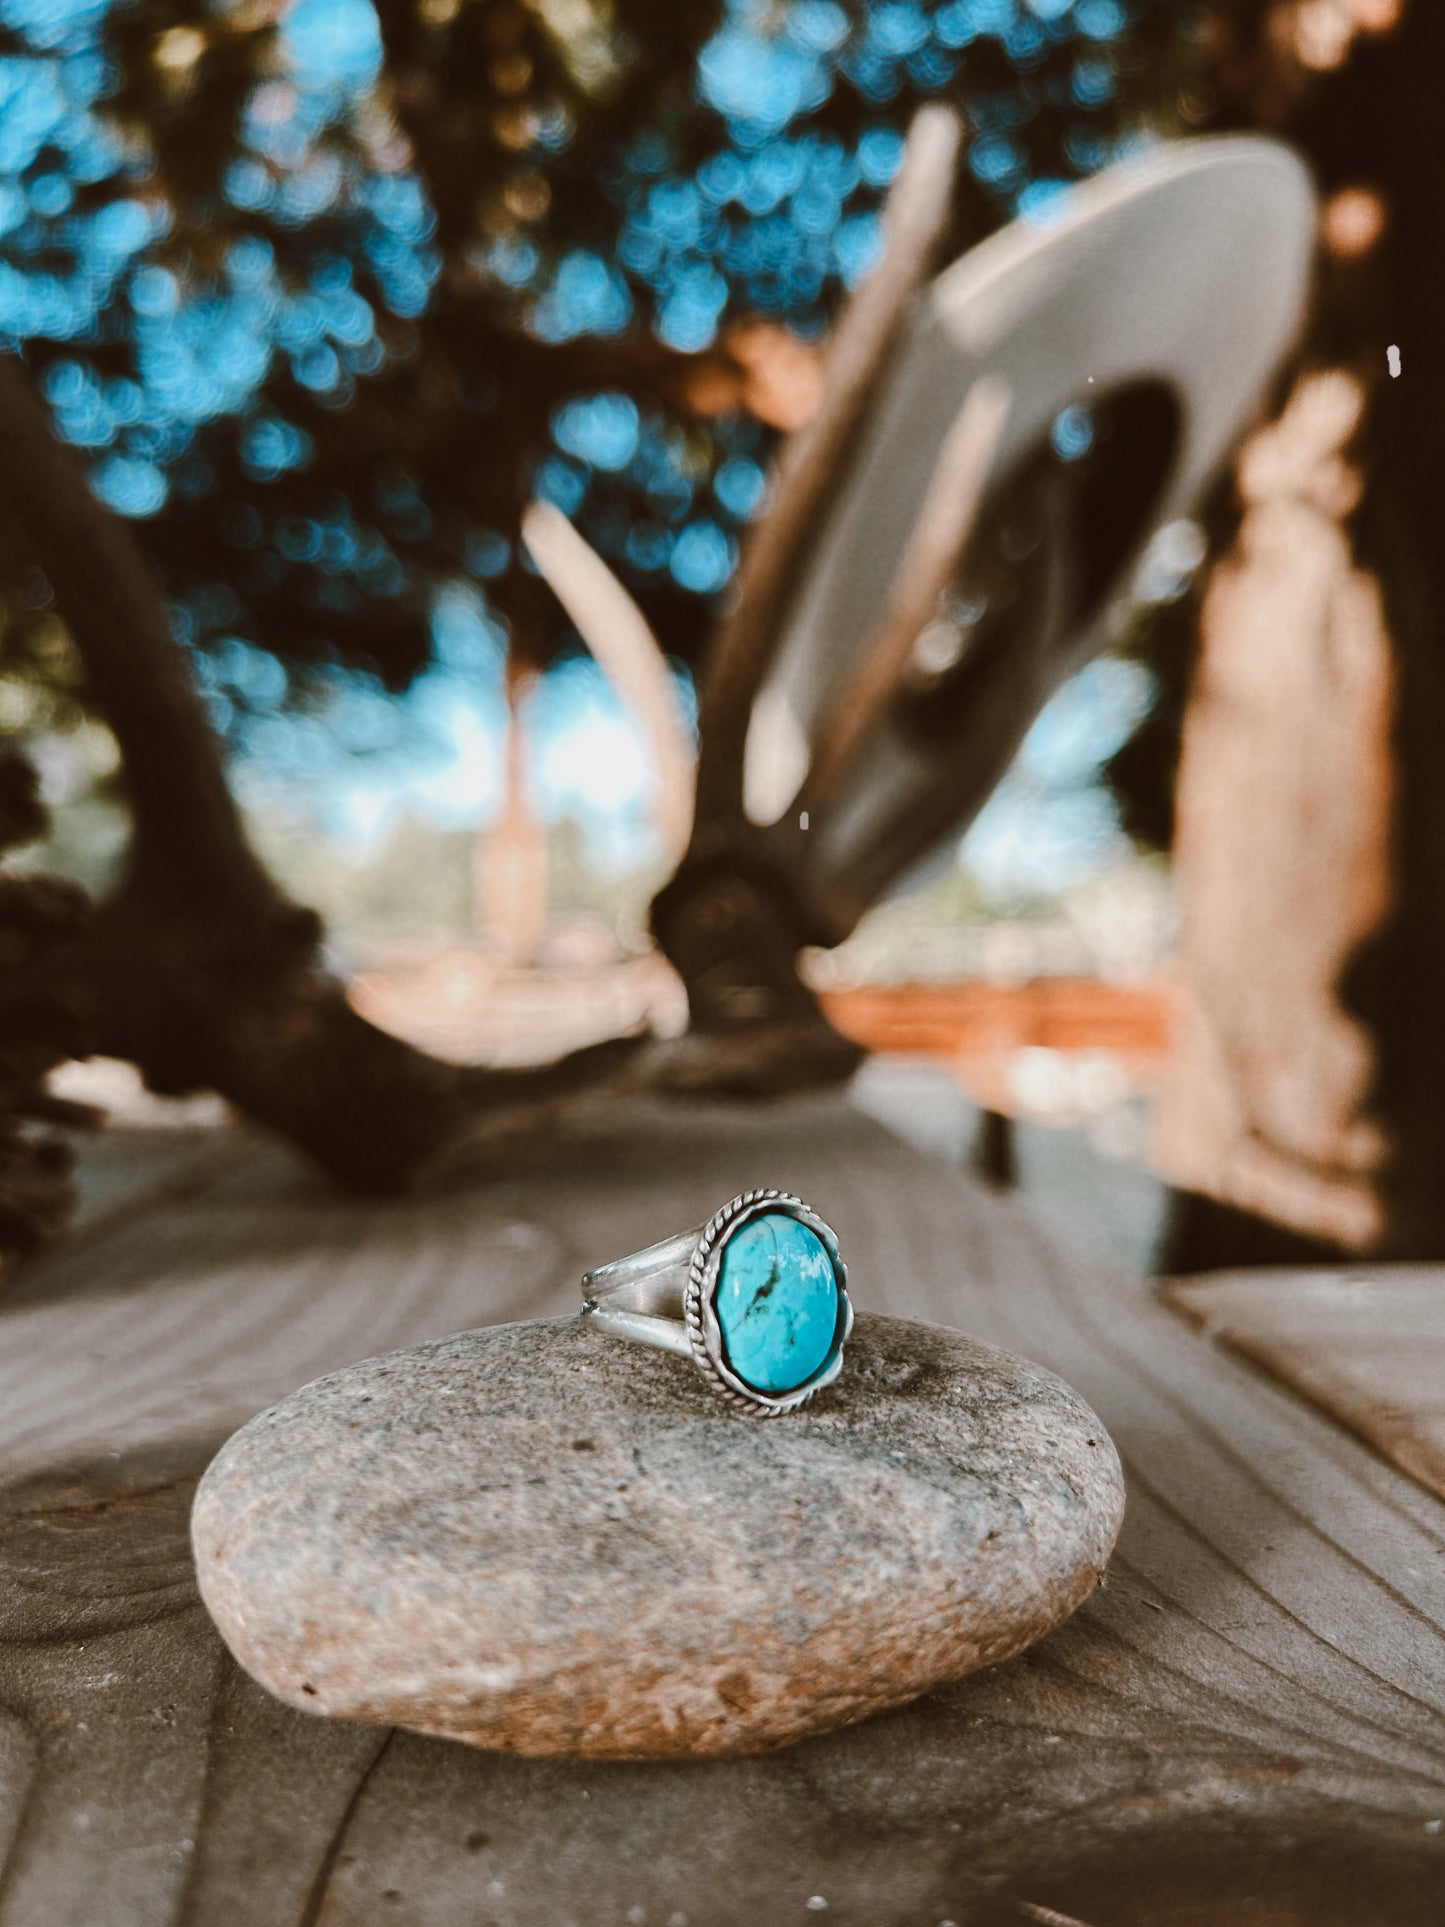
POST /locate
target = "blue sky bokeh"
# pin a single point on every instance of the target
(775, 220)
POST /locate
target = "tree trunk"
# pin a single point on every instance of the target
(199, 970)
(1303, 1112)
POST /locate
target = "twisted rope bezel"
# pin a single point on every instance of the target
(699, 1301)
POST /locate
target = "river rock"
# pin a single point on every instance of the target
(541, 1539)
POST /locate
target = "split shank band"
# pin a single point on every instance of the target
(756, 1298)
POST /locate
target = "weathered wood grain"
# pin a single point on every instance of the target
(1245, 1725)
(1367, 1344)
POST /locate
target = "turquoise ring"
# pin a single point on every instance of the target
(756, 1298)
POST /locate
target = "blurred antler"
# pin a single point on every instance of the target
(199, 970)
(930, 563)
(629, 654)
(812, 465)
(730, 920)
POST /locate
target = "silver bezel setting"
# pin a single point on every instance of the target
(699, 1301)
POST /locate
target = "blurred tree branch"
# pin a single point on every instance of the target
(37, 913)
(197, 969)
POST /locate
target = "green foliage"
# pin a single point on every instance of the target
(326, 298)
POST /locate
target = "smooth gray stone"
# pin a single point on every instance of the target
(538, 1538)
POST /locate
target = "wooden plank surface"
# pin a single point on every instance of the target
(1368, 1345)
(1245, 1725)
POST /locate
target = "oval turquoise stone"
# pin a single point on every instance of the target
(777, 1303)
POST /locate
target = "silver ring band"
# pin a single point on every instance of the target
(757, 1298)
